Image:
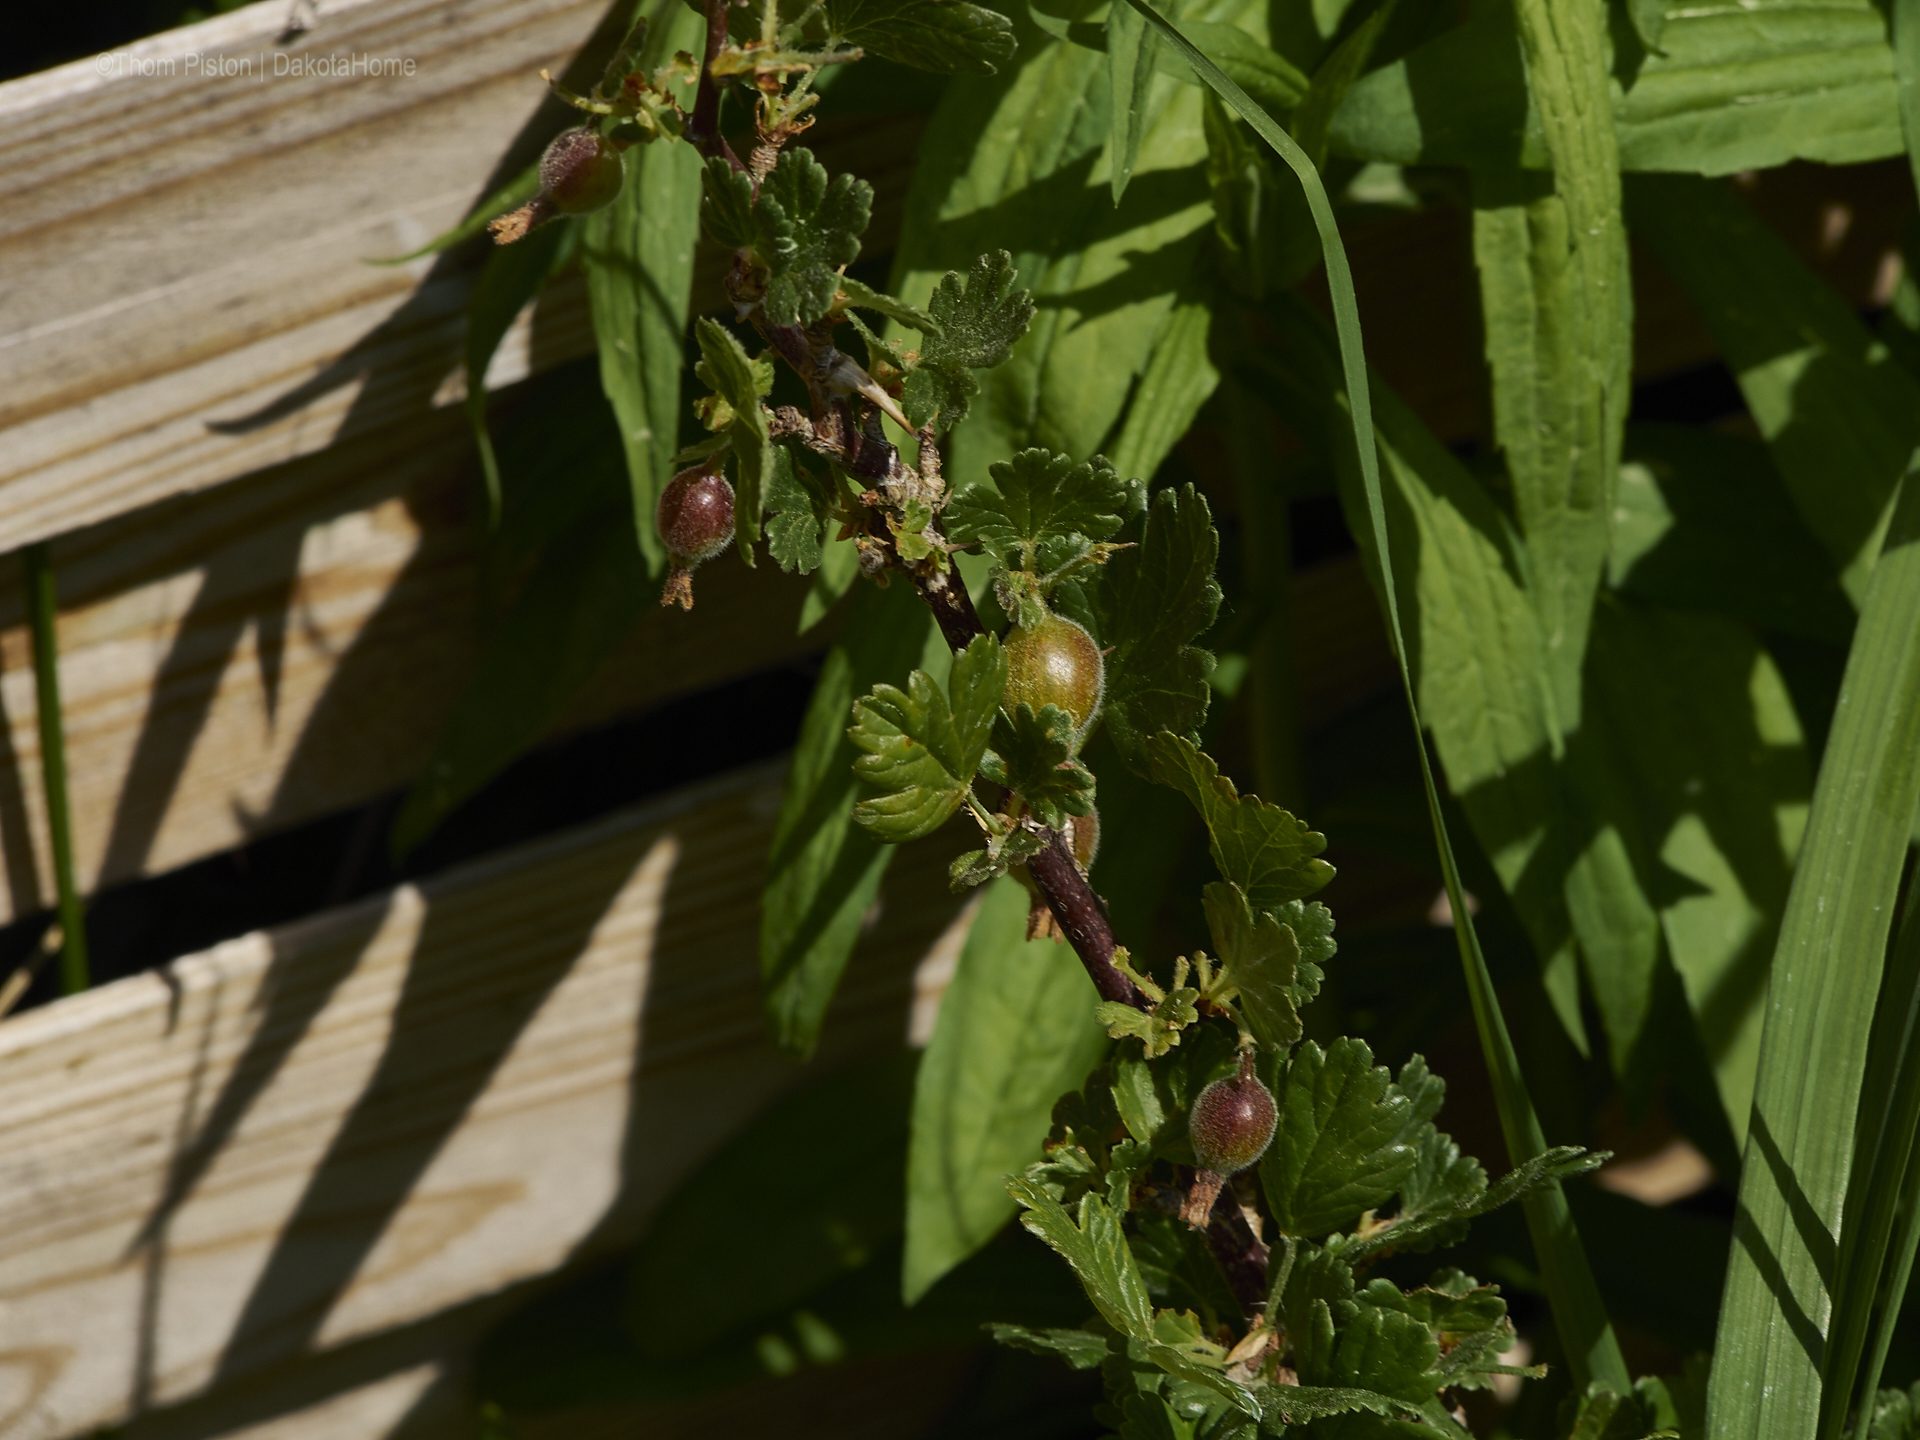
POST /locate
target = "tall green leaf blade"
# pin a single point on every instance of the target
(1015, 162)
(1592, 1349)
(1130, 53)
(1826, 976)
(1332, 80)
(1839, 413)
(639, 262)
(824, 871)
(1016, 1029)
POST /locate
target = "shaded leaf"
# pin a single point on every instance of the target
(867, 298)
(1035, 760)
(978, 319)
(797, 506)
(920, 749)
(1338, 1149)
(807, 226)
(736, 380)
(1015, 1029)
(1131, 44)
(1082, 1349)
(1041, 511)
(1259, 847)
(938, 35)
(1260, 961)
(1097, 1250)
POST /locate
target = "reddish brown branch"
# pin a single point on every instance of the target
(703, 129)
(1082, 919)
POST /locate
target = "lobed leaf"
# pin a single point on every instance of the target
(867, 298)
(1260, 960)
(1041, 512)
(1082, 1349)
(1259, 847)
(1033, 756)
(938, 35)
(1096, 1248)
(922, 749)
(1339, 1147)
(978, 320)
(806, 227)
(1149, 604)
(797, 508)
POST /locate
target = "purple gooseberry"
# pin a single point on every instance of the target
(581, 172)
(1231, 1125)
(695, 519)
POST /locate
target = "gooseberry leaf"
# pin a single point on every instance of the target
(978, 319)
(1260, 964)
(867, 298)
(726, 204)
(1339, 1148)
(977, 867)
(1157, 1029)
(1443, 1181)
(806, 226)
(797, 505)
(1033, 755)
(1096, 1248)
(1387, 1352)
(1082, 1349)
(738, 381)
(921, 746)
(1259, 847)
(1042, 510)
(1443, 1209)
(939, 35)
(1149, 604)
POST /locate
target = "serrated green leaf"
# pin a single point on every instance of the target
(1149, 604)
(1298, 1404)
(1035, 760)
(1442, 1210)
(1082, 1349)
(797, 508)
(823, 871)
(726, 204)
(1338, 1149)
(977, 321)
(1260, 960)
(806, 227)
(865, 296)
(939, 35)
(736, 380)
(1041, 511)
(977, 867)
(1096, 1248)
(922, 749)
(1015, 1029)
(1387, 1352)
(638, 255)
(1158, 1030)
(1259, 847)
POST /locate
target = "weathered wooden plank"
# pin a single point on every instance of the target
(288, 646)
(313, 1135)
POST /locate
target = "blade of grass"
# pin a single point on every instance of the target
(43, 606)
(1780, 1292)
(1879, 1214)
(1592, 1351)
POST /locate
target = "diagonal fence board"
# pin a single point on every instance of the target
(287, 646)
(312, 1135)
(182, 258)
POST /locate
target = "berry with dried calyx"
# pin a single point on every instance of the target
(1055, 663)
(695, 520)
(581, 172)
(1231, 1125)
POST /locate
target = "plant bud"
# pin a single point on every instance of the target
(1232, 1121)
(695, 520)
(1055, 663)
(581, 172)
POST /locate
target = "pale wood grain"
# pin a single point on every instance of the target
(313, 1135)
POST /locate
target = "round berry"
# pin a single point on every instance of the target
(695, 516)
(1055, 663)
(581, 172)
(1232, 1121)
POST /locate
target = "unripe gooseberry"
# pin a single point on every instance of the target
(581, 172)
(1232, 1121)
(1055, 663)
(695, 520)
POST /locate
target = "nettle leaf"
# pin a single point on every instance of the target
(1339, 1147)
(1150, 603)
(1096, 1248)
(806, 226)
(726, 204)
(1259, 847)
(1032, 754)
(1261, 963)
(939, 35)
(922, 749)
(739, 382)
(1082, 1349)
(1042, 510)
(978, 320)
(798, 504)
(867, 298)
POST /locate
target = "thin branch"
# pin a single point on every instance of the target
(1082, 919)
(704, 128)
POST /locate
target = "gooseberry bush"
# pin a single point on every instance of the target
(1223, 1189)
